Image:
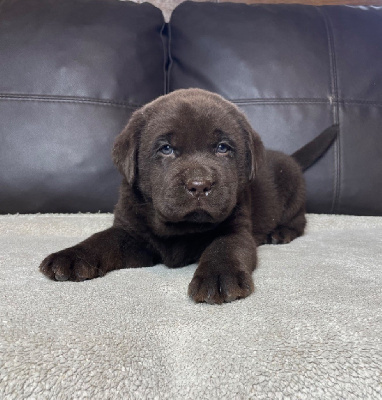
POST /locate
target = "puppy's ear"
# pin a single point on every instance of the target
(126, 147)
(255, 151)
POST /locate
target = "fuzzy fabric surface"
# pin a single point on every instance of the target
(311, 330)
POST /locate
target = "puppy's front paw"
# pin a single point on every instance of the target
(73, 264)
(282, 235)
(218, 287)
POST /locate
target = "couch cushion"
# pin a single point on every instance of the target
(71, 74)
(295, 70)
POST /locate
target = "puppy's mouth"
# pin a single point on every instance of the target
(198, 216)
(195, 221)
(195, 217)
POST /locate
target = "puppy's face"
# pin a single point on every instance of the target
(190, 154)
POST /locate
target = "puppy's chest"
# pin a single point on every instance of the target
(180, 251)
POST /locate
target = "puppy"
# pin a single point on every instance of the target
(197, 186)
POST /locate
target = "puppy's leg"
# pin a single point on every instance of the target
(225, 270)
(102, 252)
(288, 230)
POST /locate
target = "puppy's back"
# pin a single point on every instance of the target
(278, 192)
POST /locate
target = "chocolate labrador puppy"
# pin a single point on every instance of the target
(197, 186)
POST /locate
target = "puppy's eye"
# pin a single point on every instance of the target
(167, 150)
(222, 148)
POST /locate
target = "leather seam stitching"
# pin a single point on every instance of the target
(165, 56)
(134, 106)
(361, 102)
(260, 101)
(170, 59)
(309, 101)
(335, 108)
(58, 99)
(279, 101)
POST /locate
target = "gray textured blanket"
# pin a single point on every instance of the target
(312, 330)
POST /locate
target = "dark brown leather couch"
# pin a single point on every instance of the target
(72, 73)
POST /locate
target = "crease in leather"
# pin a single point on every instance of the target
(335, 111)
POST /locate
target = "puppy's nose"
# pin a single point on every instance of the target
(199, 187)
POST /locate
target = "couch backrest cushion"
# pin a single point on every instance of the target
(71, 74)
(295, 70)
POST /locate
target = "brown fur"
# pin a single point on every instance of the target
(199, 204)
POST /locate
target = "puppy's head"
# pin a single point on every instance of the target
(190, 153)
